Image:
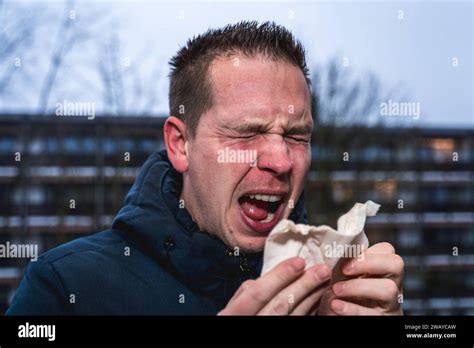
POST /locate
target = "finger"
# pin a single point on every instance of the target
(384, 265)
(324, 307)
(381, 248)
(265, 288)
(310, 305)
(291, 296)
(347, 308)
(381, 289)
(244, 286)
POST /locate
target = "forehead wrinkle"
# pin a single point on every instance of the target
(267, 106)
(251, 124)
(260, 125)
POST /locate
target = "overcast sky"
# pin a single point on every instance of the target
(415, 52)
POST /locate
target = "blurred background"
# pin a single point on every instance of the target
(83, 98)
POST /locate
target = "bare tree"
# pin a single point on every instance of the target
(17, 32)
(342, 99)
(64, 42)
(111, 73)
(125, 89)
(27, 63)
(72, 31)
(345, 106)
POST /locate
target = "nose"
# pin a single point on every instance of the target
(275, 156)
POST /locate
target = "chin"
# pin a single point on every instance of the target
(250, 244)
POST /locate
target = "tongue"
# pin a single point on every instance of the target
(254, 209)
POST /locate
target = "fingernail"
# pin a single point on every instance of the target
(338, 288)
(298, 264)
(323, 272)
(349, 267)
(338, 306)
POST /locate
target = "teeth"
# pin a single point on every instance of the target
(268, 218)
(273, 198)
(266, 198)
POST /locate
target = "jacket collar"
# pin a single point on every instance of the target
(152, 219)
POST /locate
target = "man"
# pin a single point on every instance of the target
(190, 236)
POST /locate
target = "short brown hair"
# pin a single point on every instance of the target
(190, 93)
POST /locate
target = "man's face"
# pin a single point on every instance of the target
(261, 107)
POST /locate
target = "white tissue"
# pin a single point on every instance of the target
(320, 244)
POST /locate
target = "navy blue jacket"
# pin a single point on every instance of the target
(154, 260)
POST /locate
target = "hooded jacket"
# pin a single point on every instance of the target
(153, 261)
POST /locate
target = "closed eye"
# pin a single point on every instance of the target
(248, 136)
(299, 138)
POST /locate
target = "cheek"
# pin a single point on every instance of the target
(217, 178)
(202, 168)
(301, 157)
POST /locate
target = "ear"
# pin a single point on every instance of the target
(176, 143)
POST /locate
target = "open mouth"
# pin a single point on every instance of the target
(261, 211)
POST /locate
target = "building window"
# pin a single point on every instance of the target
(34, 195)
(8, 144)
(409, 238)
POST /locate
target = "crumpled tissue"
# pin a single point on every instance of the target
(320, 244)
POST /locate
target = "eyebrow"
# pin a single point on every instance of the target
(257, 127)
(300, 129)
(249, 127)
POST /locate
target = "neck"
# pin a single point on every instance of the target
(189, 205)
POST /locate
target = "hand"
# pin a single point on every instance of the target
(373, 287)
(286, 290)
